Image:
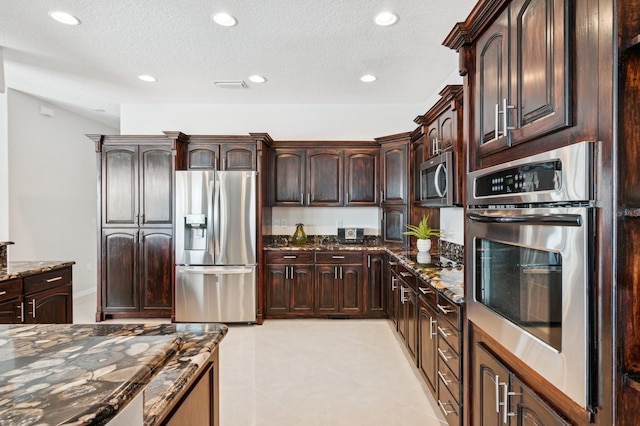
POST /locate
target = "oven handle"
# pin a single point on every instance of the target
(533, 219)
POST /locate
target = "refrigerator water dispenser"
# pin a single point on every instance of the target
(195, 233)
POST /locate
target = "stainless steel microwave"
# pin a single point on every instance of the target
(437, 181)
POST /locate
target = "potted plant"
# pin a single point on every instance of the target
(422, 232)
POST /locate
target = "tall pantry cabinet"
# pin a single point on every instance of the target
(135, 210)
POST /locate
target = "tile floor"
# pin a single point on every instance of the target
(314, 372)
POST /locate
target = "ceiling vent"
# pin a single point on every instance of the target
(230, 84)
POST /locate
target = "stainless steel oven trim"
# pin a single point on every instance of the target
(569, 369)
(577, 178)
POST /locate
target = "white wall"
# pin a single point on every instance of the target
(282, 122)
(4, 170)
(52, 187)
(452, 224)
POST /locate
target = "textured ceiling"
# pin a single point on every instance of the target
(311, 51)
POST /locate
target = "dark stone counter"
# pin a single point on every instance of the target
(21, 269)
(84, 374)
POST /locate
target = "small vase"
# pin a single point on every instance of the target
(423, 245)
(423, 258)
(299, 237)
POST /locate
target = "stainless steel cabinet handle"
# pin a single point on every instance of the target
(403, 295)
(22, 311)
(292, 271)
(406, 274)
(431, 333)
(335, 272)
(425, 290)
(337, 257)
(497, 384)
(505, 118)
(368, 261)
(33, 307)
(2, 293)
(393, 263)
(290, 257)
(341, 272)
(444, 410)
(443, 378)
(506, 413)
(444, 355)
(444, 309)
(444, 332)
(393, 283)
(302, 198)
(50, 280)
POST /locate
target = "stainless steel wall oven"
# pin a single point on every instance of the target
(529, 239)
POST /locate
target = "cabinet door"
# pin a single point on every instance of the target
(156, 266)
(119, 273)
(411, 306)
(433, 139)
(301, 288)
(394, 174)
(203, 157)
(350, 289)
(326, 283)
(11, 311)
(428, 343)
(325, 171)
(361, 177)
(448, 126)
(492, 85)
(489, 378)
(289, 172)
(417, 158)
(394, 219)
(375, 289)
(120, 185)
(393, 298)
(156, 186)
(238, 157)
(277, 289)
(52, 306)
(539, 64)
(529, 410)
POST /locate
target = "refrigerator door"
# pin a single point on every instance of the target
(234, 222)
(215, 294)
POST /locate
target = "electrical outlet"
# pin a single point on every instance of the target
(276, 222)
(284, 222)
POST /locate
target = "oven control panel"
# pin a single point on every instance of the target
(532, 177)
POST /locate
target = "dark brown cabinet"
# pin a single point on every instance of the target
(394, 219)
(376, 298)
(428, 337)
(502, 398)
(289, 284)
(339, 283)
(211, 152)
(50, 306)
(417, 158)
(361, 178)
(135, 254)
(325, 174)
(393, 292)
(408, 310)
(395, 183)
(137, 186)
(289, 184)
(521, 75)
(11, 306)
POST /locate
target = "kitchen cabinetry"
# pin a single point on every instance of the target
(11, 307)
(394, 194)
(339, 283)
(289, 283)
(221, 156)
(428, 335)
(408, 310)
(502, 398)
(393, 292)
(325, 177)
(375, 300)
(417, 158)
(135, 203)
(449, 360)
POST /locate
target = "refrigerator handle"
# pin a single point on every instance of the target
(216, 217)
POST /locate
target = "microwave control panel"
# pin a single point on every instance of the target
(533, 177)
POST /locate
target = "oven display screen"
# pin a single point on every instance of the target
(523, 285)
(534, 177)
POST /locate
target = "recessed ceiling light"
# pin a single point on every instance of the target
(64, 17)
(257, 79)
(224, 19)
(385, 18)
(147, 78)
(368, 78)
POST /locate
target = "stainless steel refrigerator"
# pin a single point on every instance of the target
(215, 240)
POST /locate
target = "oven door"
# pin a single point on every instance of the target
(436, 181)
(528, 287)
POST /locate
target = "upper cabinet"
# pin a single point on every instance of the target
(211, 152)
(332, 176)
(442, 124)
(394, 155)
(520, 72)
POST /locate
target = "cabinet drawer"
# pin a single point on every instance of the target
(407, 275)
(446, 355)
(302, 257)
(427, 292)
(392, 264)
(449, 310)
(47, 280)
(354, 257)
(10, 289)
(447, 332)
(448, 405)
(446, 379)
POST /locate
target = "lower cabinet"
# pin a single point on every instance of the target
(375, 294)
(339, 283)
(41, 298)
(289, 283)
(428, 337)
(137, 270)
(499, 397)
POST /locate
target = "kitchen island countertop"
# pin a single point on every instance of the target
(21, 269)
(84, 374)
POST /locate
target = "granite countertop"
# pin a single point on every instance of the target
(19, 269)
(448, 281)
(83, 374)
